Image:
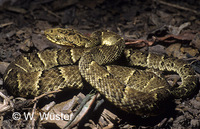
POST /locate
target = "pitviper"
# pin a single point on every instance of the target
(136, 91)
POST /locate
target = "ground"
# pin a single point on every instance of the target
(166, 27)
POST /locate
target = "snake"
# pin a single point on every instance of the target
(93, 58)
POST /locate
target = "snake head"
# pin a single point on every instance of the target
(70, 37)
(60, 36)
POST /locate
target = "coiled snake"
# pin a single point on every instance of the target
(135, 91)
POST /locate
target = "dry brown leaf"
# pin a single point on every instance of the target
(3, 66)
(189, 50)
(174, 50)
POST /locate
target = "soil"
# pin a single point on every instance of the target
(161, 26)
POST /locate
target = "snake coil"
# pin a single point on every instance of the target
(135, 91)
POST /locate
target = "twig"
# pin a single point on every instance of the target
(50, 12)
(6, 101)
(6, 24)
(33, 112)
(16, 9)
(138, 42)
(177, 6)
(45, 94)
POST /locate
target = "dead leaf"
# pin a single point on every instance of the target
(191, 51)
(41, 43)
(157, 49)
(174, 50)
(177, 30)
(56, 116)
(3, 67)
(47, 107)
(196, 41)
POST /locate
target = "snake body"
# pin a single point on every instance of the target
(135, 91)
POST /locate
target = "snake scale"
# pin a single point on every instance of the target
(140, 92)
